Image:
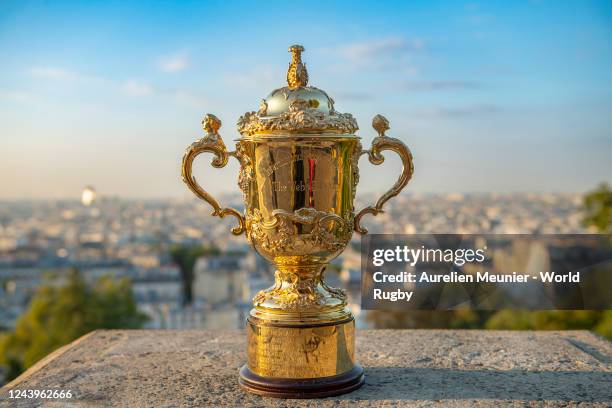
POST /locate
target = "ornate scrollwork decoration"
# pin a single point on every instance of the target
(305, 109)
(357, 152)
(263, 108)
(308, 216)
(338, 293)
(379, 144)
(211, 143)
(274, 236)
(300, 117)
(278, 235)
(293, 292)
(246, 173)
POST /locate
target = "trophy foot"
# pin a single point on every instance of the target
(299, 359)
(303, 387)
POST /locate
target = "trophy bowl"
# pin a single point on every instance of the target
(299, 170)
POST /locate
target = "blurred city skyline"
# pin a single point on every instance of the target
(138, 240)
(489, 96)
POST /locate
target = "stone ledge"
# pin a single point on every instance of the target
(403, 367)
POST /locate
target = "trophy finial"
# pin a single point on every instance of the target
(297, 76)
(380, 124)
(211, 124)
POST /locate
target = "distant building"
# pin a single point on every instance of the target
(221, 279)
(88, 196)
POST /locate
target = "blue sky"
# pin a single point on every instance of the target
(490, 96)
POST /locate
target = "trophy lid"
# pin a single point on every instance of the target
(297, 108)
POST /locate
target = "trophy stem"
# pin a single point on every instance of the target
(301, 296)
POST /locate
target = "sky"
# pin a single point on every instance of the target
(491, 96)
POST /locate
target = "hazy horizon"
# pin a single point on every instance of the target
(491, 96)
(236, 194)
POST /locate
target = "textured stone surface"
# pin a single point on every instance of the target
(403, 368)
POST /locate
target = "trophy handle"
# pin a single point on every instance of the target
(212, 143)
(380, 143)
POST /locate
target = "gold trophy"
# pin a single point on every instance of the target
(298, 174)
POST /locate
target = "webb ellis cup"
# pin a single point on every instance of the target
(298, 174)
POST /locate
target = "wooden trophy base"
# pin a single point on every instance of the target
(302, 388)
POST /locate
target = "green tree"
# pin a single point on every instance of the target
(185, 256)
(427, 319)
(58, 315)
(604, 326)
(598, 209)
(598, 321)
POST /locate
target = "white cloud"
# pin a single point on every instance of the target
(465, 111)
(51, 73)
(174, 63)
(440, 85)
(367, 50)
(392, 53)
(136, 88)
